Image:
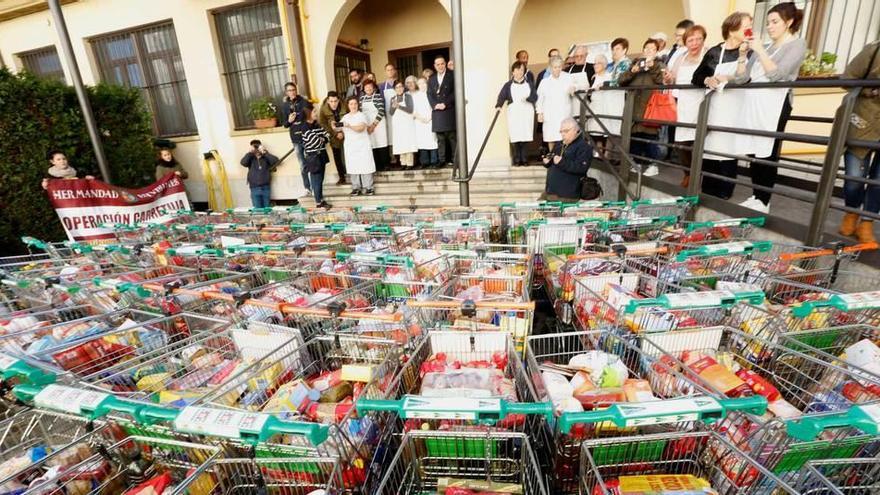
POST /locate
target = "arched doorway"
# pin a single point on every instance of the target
(407, 34)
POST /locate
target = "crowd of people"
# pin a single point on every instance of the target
(409, 123)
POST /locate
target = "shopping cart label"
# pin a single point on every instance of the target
(449, 407)
(727, 247)
(638, 221)
(666, 411)
(357, 227)
(526, 204)
(589, 204)
(6, 362)
(69, 399)
(729, 222)
(562, 220)
(663, 201)
(218, 422)
(872, 411)
(860, 300)
(708, 298)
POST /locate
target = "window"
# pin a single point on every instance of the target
(254, 61)
(343, 62)
(843, 30)
(43, 62)
(412, 61)
(148, 58)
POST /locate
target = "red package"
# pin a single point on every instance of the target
(758, 384)
(153, 486)
(613, 487)
(600, 397)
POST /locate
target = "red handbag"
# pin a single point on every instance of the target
(661, 106)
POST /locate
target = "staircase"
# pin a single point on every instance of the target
(434, 188)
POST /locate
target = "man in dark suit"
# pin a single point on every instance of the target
(441, 96)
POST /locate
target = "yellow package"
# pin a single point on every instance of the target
(181, 397)
(266, 377)
(154, 381)
(658, 483)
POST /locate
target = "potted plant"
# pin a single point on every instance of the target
(262, 110)
(818, 67)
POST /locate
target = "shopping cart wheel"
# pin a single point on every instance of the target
(336, 308)
(469, 308)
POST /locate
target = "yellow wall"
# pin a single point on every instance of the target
(407, 24)
(545, 24)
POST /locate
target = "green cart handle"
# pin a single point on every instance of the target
(248, 249)
(210, 252)
(725, 248)
(730, 222)
(695, 300)
(25, 373)
(295, 209)
(638, 222)
(704, 408)
(114, 248)
(34, 243)
(316, 433)
(369, 209)
(79, 247)
(150, 414)
(865, 418)
(379, 229)
(260, 211)
(842, 302)
(200, 229)
(475, 409)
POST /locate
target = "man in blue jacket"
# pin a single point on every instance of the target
(260, 164)
(567, 164)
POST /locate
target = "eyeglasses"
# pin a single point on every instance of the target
(565, 130)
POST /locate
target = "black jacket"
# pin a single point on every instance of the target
(504, 94)
(564, 178)
(299, 106)
(442, 120)
(259, 169)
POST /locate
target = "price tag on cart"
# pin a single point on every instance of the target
(69, 399)
(450, 408)
(861, 300)
(218, 422)
(7, 361)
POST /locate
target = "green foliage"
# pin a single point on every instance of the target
(262, 108)
(40, 115)
(823, 65)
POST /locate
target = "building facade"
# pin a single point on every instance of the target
(201, 62)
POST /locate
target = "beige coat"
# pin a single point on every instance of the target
(867, 105)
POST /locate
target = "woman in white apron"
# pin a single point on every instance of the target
(358, 150)
(687, 100)
(768, 109)
(599, 104)
(373, 107)
(715, 70)
(553, 104)
(520, 96)
(426, 140)
(403, 138)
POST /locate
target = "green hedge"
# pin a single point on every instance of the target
(39, 115)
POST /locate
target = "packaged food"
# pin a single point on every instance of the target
(458, 486)
(664, 484)
(715, 374)
(758, 384)
(600, 397)
(638, 391)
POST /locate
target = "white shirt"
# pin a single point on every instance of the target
(440, 78)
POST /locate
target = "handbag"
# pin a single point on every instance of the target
(661, 106)
(590, 188)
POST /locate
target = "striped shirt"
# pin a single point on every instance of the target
(314, 138)
(377, 100)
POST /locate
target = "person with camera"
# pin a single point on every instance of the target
(330, 118)
(260, 164)
(646, 71)
(567, 164)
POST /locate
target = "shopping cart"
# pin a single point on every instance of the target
(628, 230)
(413, 216)
(368, 238)
(676, 206)
(400, 278)
(808, 395)
(489, 214)
(679, 460)
(459, 311)
(516, 215)
(454, 234)
(495, 272)
(336, 215)
(840, 477)
(645, 395)
(375, 214)
(268, 474)
(464, 462)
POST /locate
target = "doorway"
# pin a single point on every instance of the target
(413, 60)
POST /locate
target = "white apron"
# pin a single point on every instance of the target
(555, 103)
(357, 149)
(387, 94)
(379, 137)
(724, 110)
(520, 114)
(425, 137)
(581, 81)
(760, 112)
(403, 138)
(688, 101)
(604, 102)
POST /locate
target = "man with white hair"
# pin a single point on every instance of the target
(567, 164)
(661, 39)
(581, 75)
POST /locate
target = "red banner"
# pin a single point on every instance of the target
(85, 205)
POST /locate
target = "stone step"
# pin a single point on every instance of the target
(423, 201)
(518, 184)
(445, 174)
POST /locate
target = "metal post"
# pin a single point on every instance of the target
(836, 146)
(296, 43)
(460, 124)
(625, 135)
(697, 151)
(81, 94)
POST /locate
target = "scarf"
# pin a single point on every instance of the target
(62, 173)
